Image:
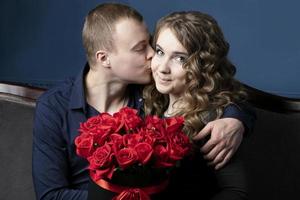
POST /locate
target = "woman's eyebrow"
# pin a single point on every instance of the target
(157, 45)
(177, 53)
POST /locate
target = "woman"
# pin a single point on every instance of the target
(194, 78)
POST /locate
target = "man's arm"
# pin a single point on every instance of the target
(50, 158)
(226, 134)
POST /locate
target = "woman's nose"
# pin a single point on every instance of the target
(164, 66)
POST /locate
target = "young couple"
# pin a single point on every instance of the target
(192, 78)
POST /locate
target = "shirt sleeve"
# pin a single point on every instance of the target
(50, 167)
(232, 180)
(242, 112)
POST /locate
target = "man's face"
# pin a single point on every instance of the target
(132, 53)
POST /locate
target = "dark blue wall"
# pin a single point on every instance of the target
(41, 40)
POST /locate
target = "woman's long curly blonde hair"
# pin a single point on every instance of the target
(209, 73)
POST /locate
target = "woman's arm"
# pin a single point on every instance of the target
(232, 180)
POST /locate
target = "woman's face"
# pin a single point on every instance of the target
(167, 64)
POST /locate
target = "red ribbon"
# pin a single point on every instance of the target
(129, 193)
(132, 194)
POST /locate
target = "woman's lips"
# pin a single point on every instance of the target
(164, 80)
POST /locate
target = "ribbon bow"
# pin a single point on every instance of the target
(127, 193)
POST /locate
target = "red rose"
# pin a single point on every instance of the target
(90, 125)
(150, 140)
(84, 145)
(155, 136)
(146, 134)
(180, 146)
(102, 173)
(108, 123)
(144, 152)
(130, 140)
(154, 122)
(101, 158)
(100, 138)
(129, 118)
(174, 124)
(116, 142)
(162, 156)
(126, 157)
(155, 128)
(177, 152)
(106, 126)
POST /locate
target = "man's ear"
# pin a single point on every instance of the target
(103, 58)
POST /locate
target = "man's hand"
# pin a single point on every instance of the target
(226, 135)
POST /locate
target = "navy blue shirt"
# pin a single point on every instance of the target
(58, 173)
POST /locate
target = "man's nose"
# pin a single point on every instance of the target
(150, 52)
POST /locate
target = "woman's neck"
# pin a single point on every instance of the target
(173, 107)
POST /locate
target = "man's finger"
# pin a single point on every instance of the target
(204, 132)
(209, 145)
(225, 160)
(212, 154)
(220, 157)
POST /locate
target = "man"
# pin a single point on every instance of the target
(116, 41)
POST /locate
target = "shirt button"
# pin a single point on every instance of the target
(140, 99)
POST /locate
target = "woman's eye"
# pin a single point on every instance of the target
(180, 59)
(159, 52)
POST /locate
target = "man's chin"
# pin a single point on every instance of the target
(144, 82)
(140, 79)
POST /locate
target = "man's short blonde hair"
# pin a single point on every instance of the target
(99, 27)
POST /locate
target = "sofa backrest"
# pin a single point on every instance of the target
(272, 152)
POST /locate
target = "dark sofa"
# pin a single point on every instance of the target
(271, 152)
(17, 105)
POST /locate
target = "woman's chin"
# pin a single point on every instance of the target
(162, 90)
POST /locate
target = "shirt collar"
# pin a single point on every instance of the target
(77, 98)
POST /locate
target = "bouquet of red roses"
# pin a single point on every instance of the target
(124, 140)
